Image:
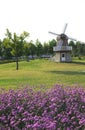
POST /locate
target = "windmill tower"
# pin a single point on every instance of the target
(62, 49)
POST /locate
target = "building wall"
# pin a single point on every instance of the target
(66, 58)
(62, 57)
(56, 58)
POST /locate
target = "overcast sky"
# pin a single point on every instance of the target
(40, 16)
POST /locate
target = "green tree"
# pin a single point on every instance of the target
(82, 50)
(31, 48)
(52, 43)
(78, 48)
(17, 44)
(39, 48)
(26, 48)
(1, 48)
(46, 48)
(6, 49)
(74, 48)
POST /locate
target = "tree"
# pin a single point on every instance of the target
(46, 48)
(78, 48)
(39, 48)
(17, 44)
(26, 48)
(31, 48)
(74, 48)
(1, 48)
(6, 48)
(52, 43)
(82, 50)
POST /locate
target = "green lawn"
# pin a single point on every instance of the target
(42, 73)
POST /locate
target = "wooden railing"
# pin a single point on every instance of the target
(62, 48)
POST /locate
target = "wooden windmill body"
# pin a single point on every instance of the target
(62, 49)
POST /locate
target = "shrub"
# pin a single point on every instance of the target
(58, 109)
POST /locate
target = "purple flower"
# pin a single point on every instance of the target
(64, 120)
(82, 122)
(58, 108)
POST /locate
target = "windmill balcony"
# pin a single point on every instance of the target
(62, 48)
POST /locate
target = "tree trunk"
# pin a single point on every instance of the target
(17, 64)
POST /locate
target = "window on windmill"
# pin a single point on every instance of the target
(63, 55)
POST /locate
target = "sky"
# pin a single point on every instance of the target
(38, 17)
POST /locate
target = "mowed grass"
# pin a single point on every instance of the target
(42, 73)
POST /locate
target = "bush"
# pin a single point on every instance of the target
(58, 109)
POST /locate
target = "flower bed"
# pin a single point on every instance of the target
(58, 109)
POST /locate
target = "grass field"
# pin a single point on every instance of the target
(42, 73)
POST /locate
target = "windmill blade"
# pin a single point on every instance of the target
(53, 33)
(65, 28)
(73, 39)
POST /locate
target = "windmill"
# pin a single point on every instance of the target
(62, 49)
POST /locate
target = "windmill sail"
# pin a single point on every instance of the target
(72, 39)
(62, 35)
(53, 33)
(65, 28)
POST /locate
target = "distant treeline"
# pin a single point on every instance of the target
(78, 48)
(14, 46)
